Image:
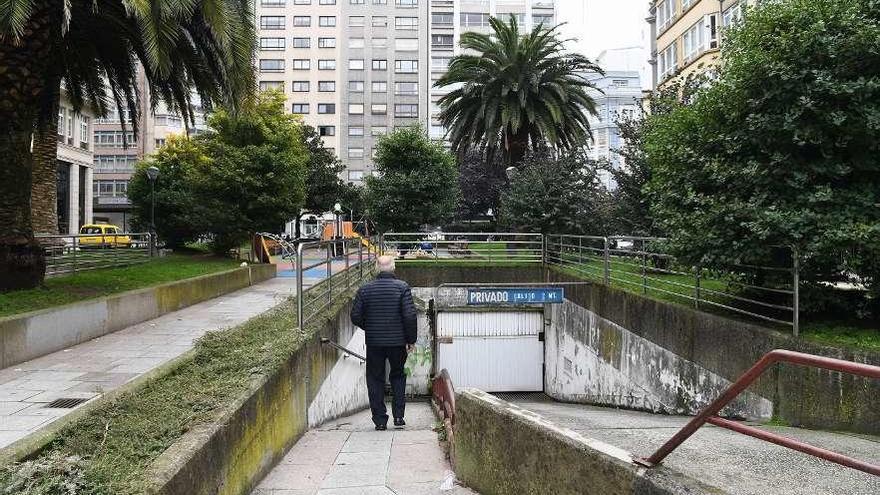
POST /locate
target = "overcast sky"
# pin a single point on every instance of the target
(602, 24)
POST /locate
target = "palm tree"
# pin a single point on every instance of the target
(95, 47)
(515, 91)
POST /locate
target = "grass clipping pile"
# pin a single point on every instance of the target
(108, 451)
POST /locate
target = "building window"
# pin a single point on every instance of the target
(380, 21)
(506, 16)
(356, 86)
(406, 44)
(474, 19)
(355, 42)
(732, 15)
(380, 2)
(406, 88)
(113, 139)
(667, 62)
(271, 65)
(379, 108)
(442, 40)
(327, 108)
(272, 22)
(355, 131)
(272, 44)
(326, 130)
(300, 108)
(380, 65)
(356, 175)
(442, 18)
(302, 64)
(327, 21)
(271, 85)
(357, 2)
(406, 110)
(356, 64)
(379, 42)
(692, 41)
(437, 132)
(379, 87)
(326, 2)
(326, 86)
(302, 42)
(326, 65)
(406, 23)
(356, 21)
(545, 19)
(300, 86)
(273, 3)
(686, 4)
(406, 66)
(84, 132)
(355, 108)
(302, 21)
(441, 63)
(378, 130)
(407, 4)
(355, 152)
(665, 14)
(326, 42)
(302, 2)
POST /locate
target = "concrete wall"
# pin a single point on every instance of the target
(31, 335)
(726, 347)
(230, 456)
(589, 359)
(500, 449)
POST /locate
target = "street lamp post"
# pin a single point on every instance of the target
(152, 175)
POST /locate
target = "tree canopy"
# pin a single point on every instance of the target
(416, 182)
(513, 90)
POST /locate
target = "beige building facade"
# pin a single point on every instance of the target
(75, 173)
(686, 35)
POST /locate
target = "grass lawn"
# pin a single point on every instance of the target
(843, 334)
(96, 283)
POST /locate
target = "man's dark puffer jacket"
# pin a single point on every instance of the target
(384, 309)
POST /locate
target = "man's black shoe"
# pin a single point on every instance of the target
(399, 422)
(382, 427)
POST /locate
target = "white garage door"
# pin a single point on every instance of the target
(492, 351)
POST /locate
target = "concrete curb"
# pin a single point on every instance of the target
(500, 449)
(34, 334)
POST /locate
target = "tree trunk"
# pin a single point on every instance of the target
(24, 92)
(516, 146)
(296, 228)
(44, 191)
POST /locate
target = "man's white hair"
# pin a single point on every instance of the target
(385, 264)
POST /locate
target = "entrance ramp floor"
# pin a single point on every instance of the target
(734, 463)
(348, 457)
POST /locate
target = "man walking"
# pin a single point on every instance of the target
(384, 309)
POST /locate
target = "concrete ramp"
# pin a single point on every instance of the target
(730, 462)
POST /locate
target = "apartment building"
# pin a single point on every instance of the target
(686, 35)
(618, 95)
(118, 148)
(451, 18)
(74, 208)
(353, 69)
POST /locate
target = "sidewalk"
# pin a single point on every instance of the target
(92, 368)
(348, 457)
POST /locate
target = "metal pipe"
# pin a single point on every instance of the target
(299, 285)
(796, 296)
(606, 260)
(329, 342)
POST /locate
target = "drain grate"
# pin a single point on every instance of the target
(65, 403)
(523, 396)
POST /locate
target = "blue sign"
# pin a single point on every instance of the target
(546, 295)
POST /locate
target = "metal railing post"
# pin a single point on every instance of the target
(361, 261)
(299, 285)
(345, 251)
(606, 261)
(796, 282)
(644, 268)
(329, 272)
(75, 240)
(544, 251)
(697, 286)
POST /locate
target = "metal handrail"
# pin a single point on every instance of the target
(346, 350)
(709, 413)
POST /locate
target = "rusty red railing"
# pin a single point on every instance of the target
(444, 395)
(709, 414)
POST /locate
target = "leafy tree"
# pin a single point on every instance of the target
(555, 195)
(245, 175)
(96, 48)
(481, 182)
(178, 214)
(516, 90)
(324, 187)
(784, 148)
(417, 185)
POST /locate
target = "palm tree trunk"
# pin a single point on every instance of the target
(44, 191)
(516, 146)
(23, 93)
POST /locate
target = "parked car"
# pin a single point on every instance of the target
(103, 236)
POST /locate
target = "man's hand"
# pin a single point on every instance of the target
(410, 348)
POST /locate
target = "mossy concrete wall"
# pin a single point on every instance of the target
(31, 335)
(231, 455)
(801, 396)
(501, 449)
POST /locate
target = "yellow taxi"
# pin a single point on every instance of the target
(102, 236)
